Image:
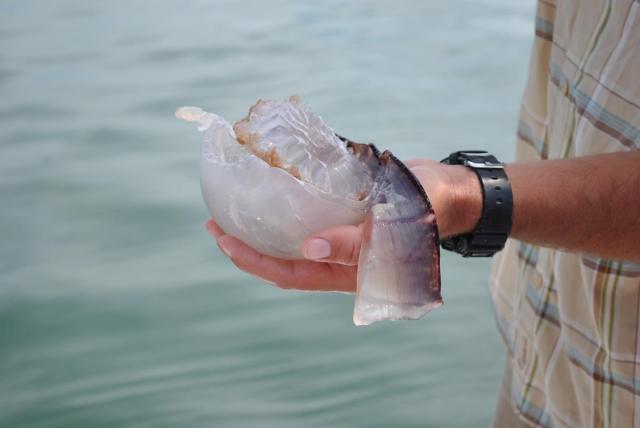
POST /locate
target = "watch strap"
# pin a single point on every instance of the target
(491, 232)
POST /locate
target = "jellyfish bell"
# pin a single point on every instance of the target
(281, 174)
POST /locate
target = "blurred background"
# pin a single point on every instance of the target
(116, 307)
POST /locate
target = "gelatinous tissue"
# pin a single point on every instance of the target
(281, 174)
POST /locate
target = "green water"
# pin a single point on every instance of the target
(118, 310)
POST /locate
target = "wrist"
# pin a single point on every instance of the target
(465, 201)
(484, 234)
(454, 192)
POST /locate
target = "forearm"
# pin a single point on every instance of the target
(587, 204)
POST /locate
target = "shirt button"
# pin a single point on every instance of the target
(565, 88)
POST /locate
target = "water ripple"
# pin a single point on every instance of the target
(118, 309)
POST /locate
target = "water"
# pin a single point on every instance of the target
(117, 309)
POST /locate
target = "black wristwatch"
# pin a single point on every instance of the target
(492, 230)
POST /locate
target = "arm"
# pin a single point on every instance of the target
(587, 204)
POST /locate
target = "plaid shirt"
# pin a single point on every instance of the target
(571, 321)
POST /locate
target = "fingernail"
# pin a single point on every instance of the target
(222, 247)
(317, 248)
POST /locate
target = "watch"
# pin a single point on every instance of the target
(492, 230)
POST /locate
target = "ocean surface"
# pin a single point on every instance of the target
(117, 308)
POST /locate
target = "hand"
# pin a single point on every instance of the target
(336, 250)
(332, 255)
(454, 192)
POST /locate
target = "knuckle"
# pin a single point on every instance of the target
(348, 253)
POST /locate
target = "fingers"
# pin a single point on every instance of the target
(290, 274)
(336, 245)
(213, 228)
(248, 259)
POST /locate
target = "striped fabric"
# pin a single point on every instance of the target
(571, 322)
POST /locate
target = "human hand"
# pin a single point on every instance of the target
(336, 251)
(454, 192)
(332, 255)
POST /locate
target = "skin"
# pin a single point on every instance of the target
(587, 204)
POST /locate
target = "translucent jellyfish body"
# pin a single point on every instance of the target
(281, 174)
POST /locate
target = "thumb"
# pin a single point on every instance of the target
(339, 244)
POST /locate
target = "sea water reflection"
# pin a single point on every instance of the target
(116, 309)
